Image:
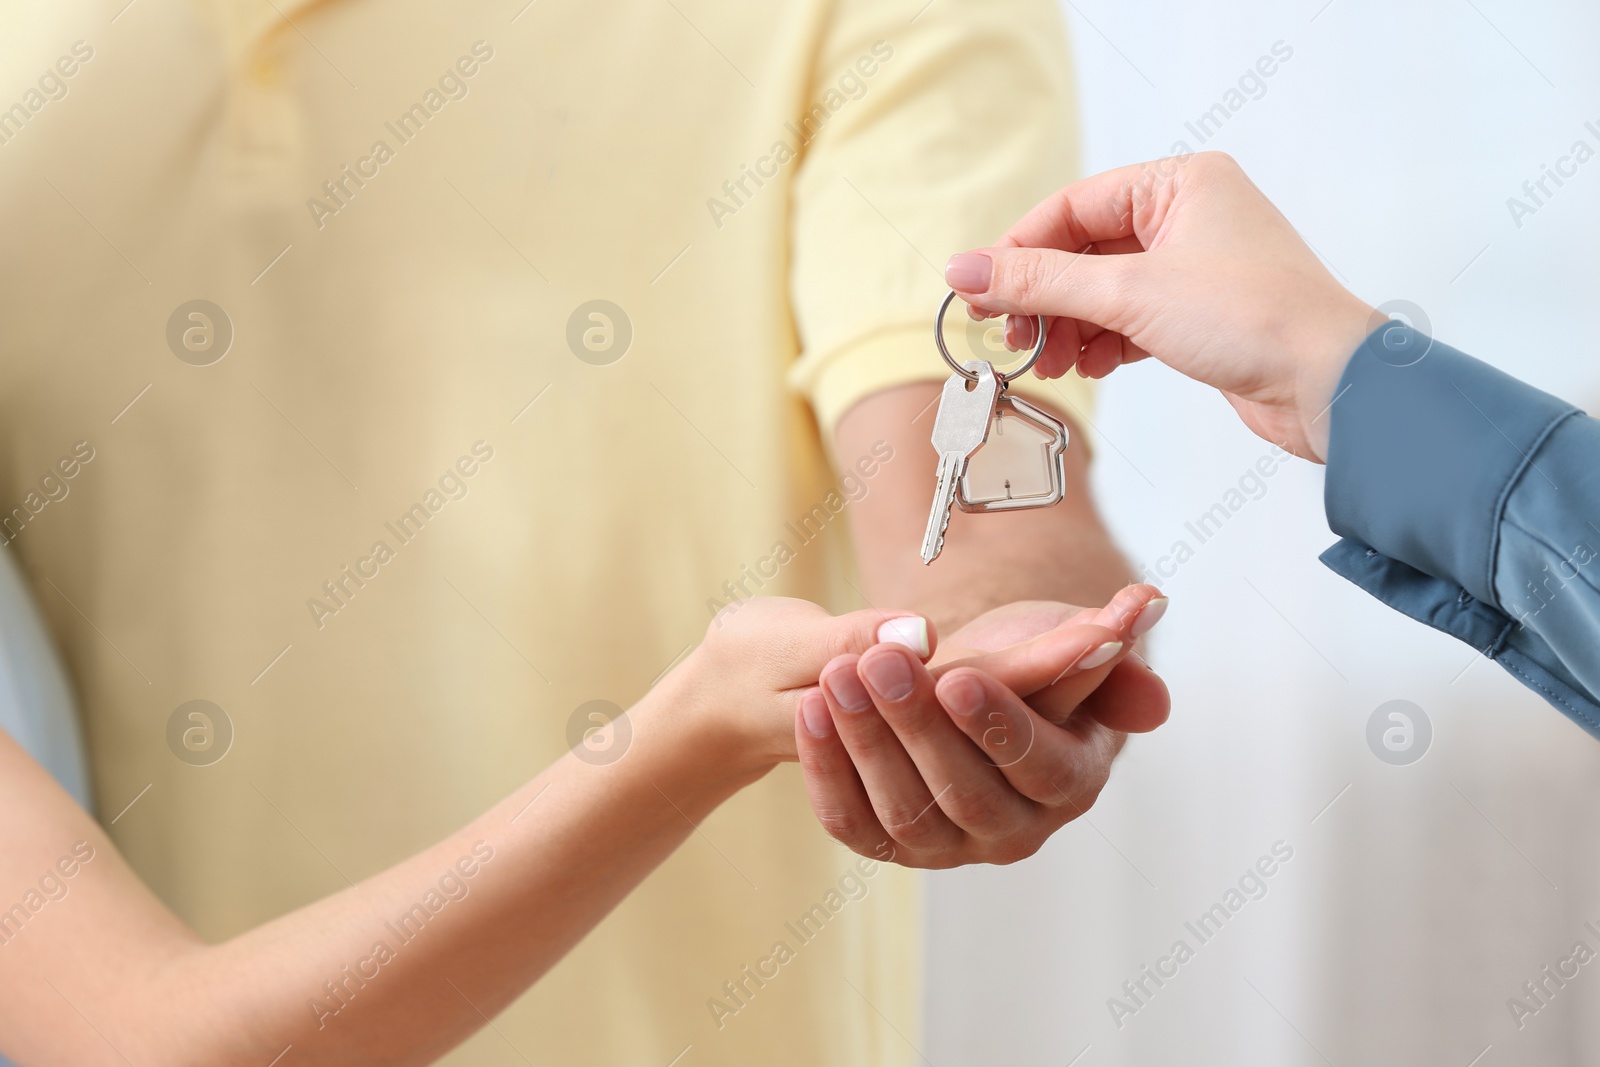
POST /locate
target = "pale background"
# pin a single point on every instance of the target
(1427, 894)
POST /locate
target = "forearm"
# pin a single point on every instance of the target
(394, 970)
(1058, 553)
(1464, 497)
(564, 850)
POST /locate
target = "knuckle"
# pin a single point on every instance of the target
(979, 811)
(847, 636)
(1006, 740)
(1216, 164)
(1026, 275)
(913, 717)
(1041, 785)
(1015, 849)
(912, 828)
(818, 764)
(871, 743)
(846, 827)
(1074, 797)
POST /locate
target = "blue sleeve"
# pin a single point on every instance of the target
(1468, 500)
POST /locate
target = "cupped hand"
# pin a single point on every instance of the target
(1185, 260)
(1008, 736)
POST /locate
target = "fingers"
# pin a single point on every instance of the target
(1058, 670)
(972, 794)
(1042, 761)
(1073, 657)
(1021, 331)
(1107, 351)
(1105, 207)
(1061, 347)
(809, 638)
(1075, 254)
(1040, 662)
(951, 765)
(1132, 699)
(1047, 281)
(900, 799)
(1134, 610)
(857, 631)
(837, 796)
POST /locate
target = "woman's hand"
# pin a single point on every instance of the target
(401, 967)
(1006, 739)
(1185, 260)
(743, 684)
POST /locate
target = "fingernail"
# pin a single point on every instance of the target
(969, 272)
(889, 674)
(814, 713)
(910, 631)
(1100, 656)
(1023, 326)
(847, 690)
(1149, 616)
(962, 695)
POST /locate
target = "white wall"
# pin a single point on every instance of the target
(1427, 894)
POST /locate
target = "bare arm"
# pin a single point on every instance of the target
(394, 970)
(402, 966)
(1059, 553)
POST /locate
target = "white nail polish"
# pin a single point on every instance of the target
(910, 631)
(1099, 657)
(1149, 616)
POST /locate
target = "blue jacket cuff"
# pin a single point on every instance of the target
(1425, 445)
(1450, 609)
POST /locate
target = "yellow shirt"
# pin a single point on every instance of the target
(401, 498)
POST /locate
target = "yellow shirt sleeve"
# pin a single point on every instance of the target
(923, 137)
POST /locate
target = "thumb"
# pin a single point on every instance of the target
(1048, 281)
(854, 633)
(799, 639)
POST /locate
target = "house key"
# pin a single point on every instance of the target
(1015, 462)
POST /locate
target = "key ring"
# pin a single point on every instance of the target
(1005, 379)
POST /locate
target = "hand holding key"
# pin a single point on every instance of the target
(1183, 260)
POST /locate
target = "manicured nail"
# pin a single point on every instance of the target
(847, 690)
(889, 674)
(962, 695)
(814, 713)
(1100, 656)
(1021, 327)
(1149, 616)
(910, 631)
(969, 272)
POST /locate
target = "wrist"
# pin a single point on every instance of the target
(1337, 341)
(700, 732)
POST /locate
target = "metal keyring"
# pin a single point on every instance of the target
(938, 337)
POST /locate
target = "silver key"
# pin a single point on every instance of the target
(959, 429)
